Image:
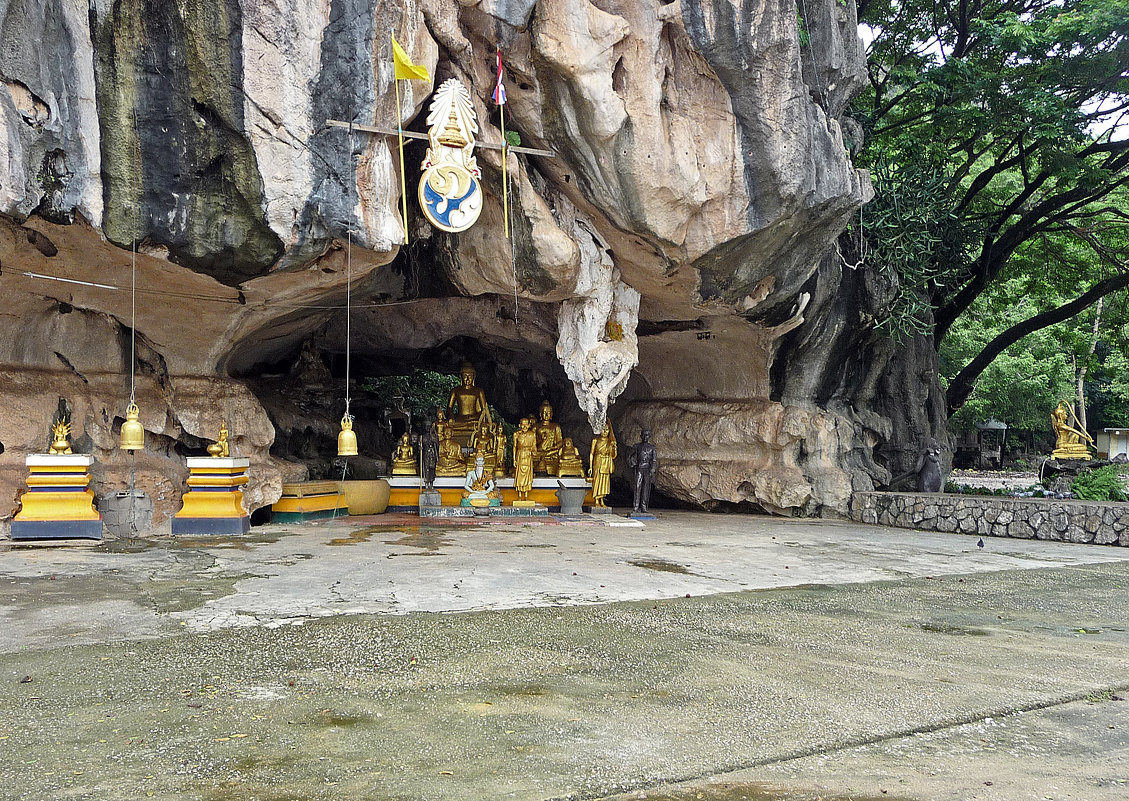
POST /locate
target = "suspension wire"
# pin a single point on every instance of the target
(133, 327)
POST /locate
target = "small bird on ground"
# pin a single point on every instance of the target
(980, 543)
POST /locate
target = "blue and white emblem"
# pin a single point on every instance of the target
(450, 189)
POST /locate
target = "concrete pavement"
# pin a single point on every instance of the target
(813, 659)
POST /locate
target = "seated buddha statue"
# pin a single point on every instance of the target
(547, 457)
(482, 441)
(570, 464)
(450, 456)
(466, 407)
(404, 458)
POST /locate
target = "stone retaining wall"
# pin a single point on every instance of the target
(1027, 518)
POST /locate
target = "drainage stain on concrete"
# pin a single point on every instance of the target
(661, 565)
(429, 540)
(960, 631)
(755, 791)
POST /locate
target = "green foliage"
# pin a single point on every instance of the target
(1025, 382)
(989, 126)
(1103, 484)
(421, 392)
(513, 138)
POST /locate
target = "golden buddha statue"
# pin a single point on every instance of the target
(525, 443)
(404, 458)
(466, 407)
(499, 449)
(482, 440)
(220, 449)
(570, 464)
(441, 423)
(549, 440)
(59, 442)
(450, 456)
(601, 463)
(1068, 439)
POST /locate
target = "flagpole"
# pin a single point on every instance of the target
(403, 178)
(505, 178)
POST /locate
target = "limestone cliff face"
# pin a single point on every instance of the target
(673, 255)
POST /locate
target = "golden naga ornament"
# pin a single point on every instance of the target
(450, 189)
(59, 433)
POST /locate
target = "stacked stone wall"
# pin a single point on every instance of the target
(986, 516)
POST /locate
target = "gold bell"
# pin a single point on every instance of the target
(347, 439)
(133, 433)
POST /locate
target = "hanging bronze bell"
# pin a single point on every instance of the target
(133, 433)
(347, 439)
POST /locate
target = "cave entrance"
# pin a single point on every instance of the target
(397, 389)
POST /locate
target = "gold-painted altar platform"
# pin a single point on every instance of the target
(405, 491)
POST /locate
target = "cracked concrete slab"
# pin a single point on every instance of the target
(812, 660)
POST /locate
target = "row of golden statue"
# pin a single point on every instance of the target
(465, 431)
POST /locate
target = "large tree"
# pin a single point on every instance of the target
(992, 126)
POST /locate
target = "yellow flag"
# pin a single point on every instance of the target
(405, 69)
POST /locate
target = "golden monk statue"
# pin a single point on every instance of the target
(601, 463)
(450, 456)
(466, 407)
(404, 458)
(525, 443)
(59, 433)
(549, 441)
(220, 449)
(570, 464)
(479, 488)
(1068, 439)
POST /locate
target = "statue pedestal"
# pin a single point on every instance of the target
(58, 504)
(214, 501)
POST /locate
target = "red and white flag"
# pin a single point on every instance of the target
(499, 95)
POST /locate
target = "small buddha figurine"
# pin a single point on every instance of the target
(441, 423)
(466, 406)
(570, 464)
(601, 464)
(450, 457)
(549, 440)
(525, 443)
(220, 449)
(59, 433)
(404, 458)
(499, 450)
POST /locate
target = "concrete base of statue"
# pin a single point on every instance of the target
(480, 502)
(213, 504)
(58, 504)
(601, 510)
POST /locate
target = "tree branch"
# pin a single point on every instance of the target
(965, 381)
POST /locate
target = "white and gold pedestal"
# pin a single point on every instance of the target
(58, 504)
(214, 501)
